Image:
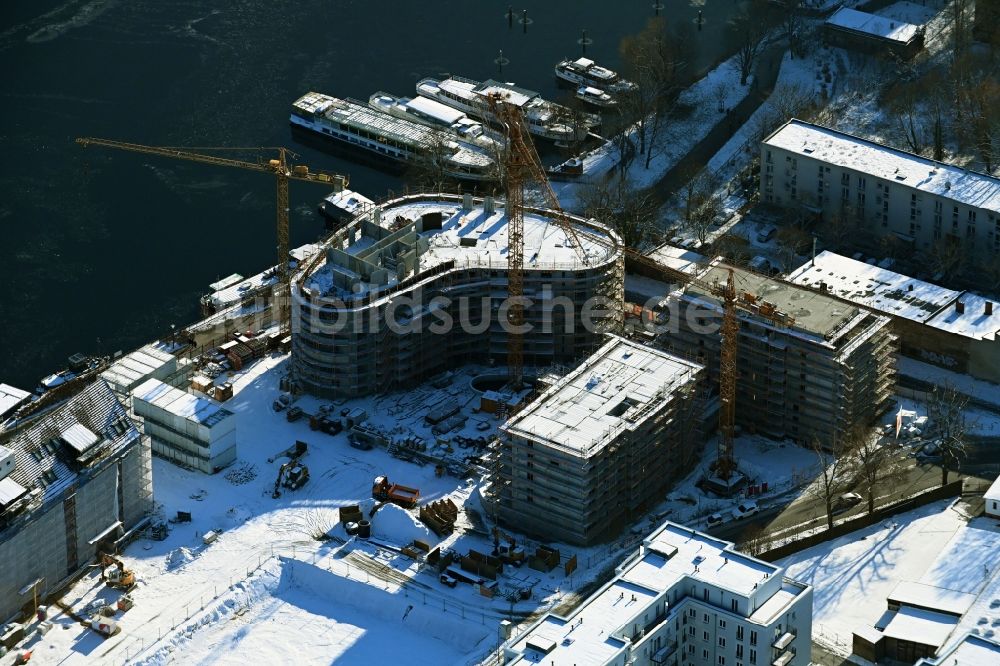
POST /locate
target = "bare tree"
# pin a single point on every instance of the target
(876, 465)
(832, 479)
(653, 59)
(631, 212)
(701, 203)
(748, 29)
(946, 409)
(903, 102)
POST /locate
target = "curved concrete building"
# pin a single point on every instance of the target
(418, 285)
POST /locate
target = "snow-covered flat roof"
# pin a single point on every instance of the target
(580, 639)
(477, 238)
(615, 390)
(920, 626)
(204, 411)
(899, 295)
(972, 650)
(931, 597)
(675, 552)
(816, 315)
(678, 258)
(132, 367)
(906, 169)
(870, 24)
(11, 397)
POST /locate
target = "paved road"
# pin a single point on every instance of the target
(806, 512)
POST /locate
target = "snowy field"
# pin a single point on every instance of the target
(934, 544)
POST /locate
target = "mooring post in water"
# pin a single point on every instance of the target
(510, 16)
(583, 40)
(701, 19)
(524, 20)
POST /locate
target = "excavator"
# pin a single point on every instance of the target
(114, 573)
(292, 474)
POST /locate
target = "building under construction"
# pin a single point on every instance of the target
(418, 285)
(81, 478)
(601, 445)
(831, 367)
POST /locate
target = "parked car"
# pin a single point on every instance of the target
(282, 402)
(845, 502)
(294, 414)
(766, 234)
(745, 510)
(714, 520)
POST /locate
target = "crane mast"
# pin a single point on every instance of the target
(283, 171)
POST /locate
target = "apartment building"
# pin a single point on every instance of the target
(419, 284)
(809, 371)
(684, 598)
(71, 485)
(880, 190)
(601, 445)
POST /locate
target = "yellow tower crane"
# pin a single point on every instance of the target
(522, 165)
(280, 167)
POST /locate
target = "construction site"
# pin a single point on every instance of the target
(418, 285)
(810, 367)
(598, 448)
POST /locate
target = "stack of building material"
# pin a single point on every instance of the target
(440, 516)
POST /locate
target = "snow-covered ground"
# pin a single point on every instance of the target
(801, 82)
(707, 99)
(854, 574)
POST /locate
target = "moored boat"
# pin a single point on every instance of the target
(354, 124)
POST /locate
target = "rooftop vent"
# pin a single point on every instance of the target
(947, 184)
(909, 287)
(959, 307)
(988, 308)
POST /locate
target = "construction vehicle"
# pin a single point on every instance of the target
(126, 602)
(292, 474)
(114, 573)
(521, 165)
(404, 496)
(283, 171)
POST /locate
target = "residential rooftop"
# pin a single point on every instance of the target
(816, 316)
(475, 237)
(899, 295)
(844, 150)
(667, 558)
(615, 389)
(871, 24)
(920, 626)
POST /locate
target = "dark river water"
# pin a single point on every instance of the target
(103, 250)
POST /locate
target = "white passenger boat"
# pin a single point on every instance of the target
(545, 119)
(585, 72)
(434, 114)
(596, 97)
(357, 125)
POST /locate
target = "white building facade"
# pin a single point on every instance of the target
(194, 431)
(882, 190)
(684, 598)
